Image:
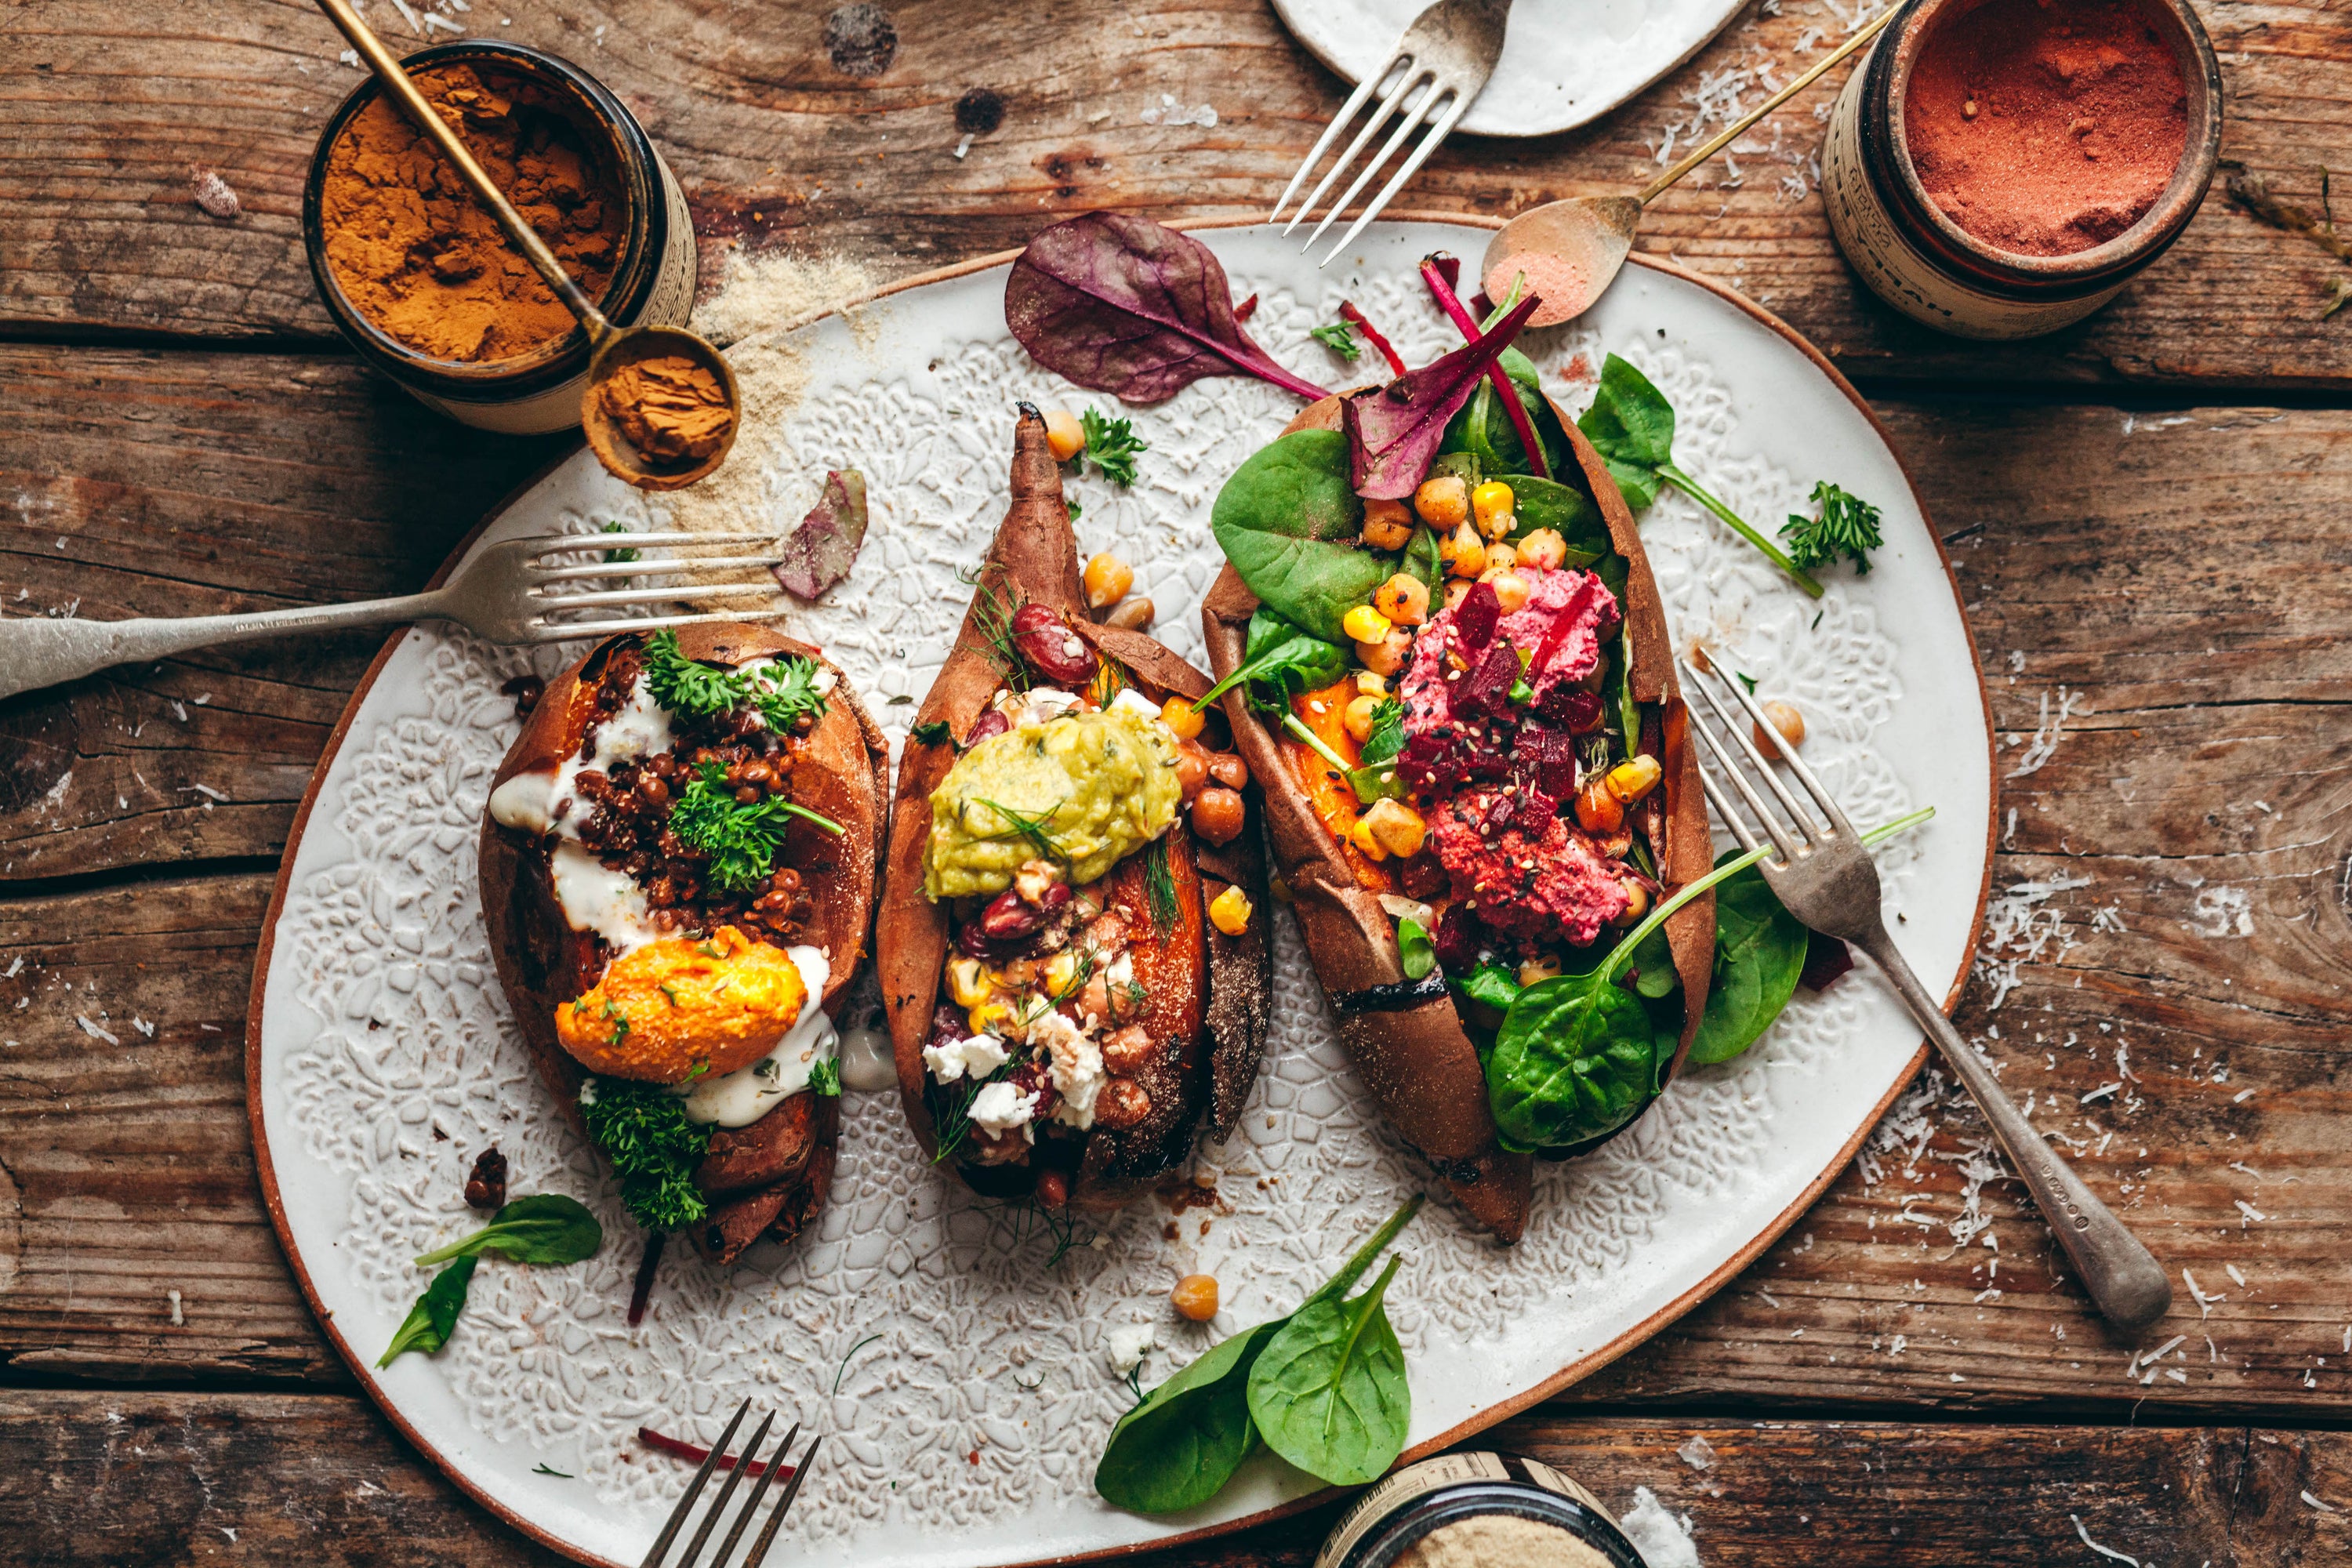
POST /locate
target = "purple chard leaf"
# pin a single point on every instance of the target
(1123, 305)
(819, 552)
(1394, 430)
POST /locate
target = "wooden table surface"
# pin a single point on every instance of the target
(2147, 514)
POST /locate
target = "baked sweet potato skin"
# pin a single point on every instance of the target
(1406, 1040)
(1217, 989)
(541, 963)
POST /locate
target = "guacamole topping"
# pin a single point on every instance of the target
(1083, 791)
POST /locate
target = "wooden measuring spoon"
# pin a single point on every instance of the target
(1570, 251)
(610, 349)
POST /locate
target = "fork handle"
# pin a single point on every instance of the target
(36, 651)
(2124, 1279)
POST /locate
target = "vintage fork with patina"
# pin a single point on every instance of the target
(1824, 875)
(747, 1460)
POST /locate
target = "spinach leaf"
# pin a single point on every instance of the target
(1484, 431)
(1374, 776)
(1495, 984)
(1179, 1448)
(1422, 561)
(1415, 952)
(1576, 1057)
(1760, 952)
(1287, 519)
(427, 1326)
(1632, 425)
(1281, 655)
(1654, 975)
(1328, 1392)
(546, 1227)
(1547, 503)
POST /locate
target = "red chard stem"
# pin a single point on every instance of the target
(1441, 272)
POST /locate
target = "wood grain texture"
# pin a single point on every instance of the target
(776, 144)
(130, 1478)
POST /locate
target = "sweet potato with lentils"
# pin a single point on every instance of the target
(679, 873)
(1421, 1043)
(1072, 939)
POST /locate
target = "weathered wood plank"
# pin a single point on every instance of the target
(776, 144)
(128, 1478)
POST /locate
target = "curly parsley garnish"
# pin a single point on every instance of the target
(742, 841)
(693, 689)
(1340, 338)
(1113, 445)
(1847, 527)
(655, 1149)
(824, 1077)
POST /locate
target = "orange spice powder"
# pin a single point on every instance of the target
(669, 408)
(419, 255)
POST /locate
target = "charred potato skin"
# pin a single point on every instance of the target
(1220, 1008)
(1407, 1041)
(541, 963)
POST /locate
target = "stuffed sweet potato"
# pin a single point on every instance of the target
(1461, 707)
(1072, 941)
(679, 873)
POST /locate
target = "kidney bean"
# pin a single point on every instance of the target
(653, 790)
(1051, 648)
(486, 1188)
(1122, 1103)
(1053, 1190)
(989, 724)
(1008, 917)
(526, 690)
(748, 795)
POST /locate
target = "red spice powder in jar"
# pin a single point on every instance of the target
(2045, 127)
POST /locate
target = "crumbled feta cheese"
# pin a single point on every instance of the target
(1076, 1064)
(1126, 1346)
(999, 1108)
(1134, 702)
(978, 1057)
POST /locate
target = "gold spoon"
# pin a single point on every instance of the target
(1570, 251)
(610, 349)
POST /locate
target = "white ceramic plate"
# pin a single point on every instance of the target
(1565, 62)
(381, 1057)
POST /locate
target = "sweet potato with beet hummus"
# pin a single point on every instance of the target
(678, 873)
(1463, 710)
(1071, 942)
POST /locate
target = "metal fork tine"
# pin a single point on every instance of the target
(1407, 79)
(1732, 771)
(719, 1504)
(1724, 811)
(1348, 110)
(783, 1506)
(1756, 758)
(1407, 120)
(563, 543)
(751, 1504)
(647, 568)
(694, 1490)
(1822, 797)
(568, 631)
(647, 595)
(1411, 166)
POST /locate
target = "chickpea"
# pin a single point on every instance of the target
(1442, 501)
(1512, 591)
(1106, 580)
(1370, 848)
(1543, 550)
(1358, 717)
(1134, 614)
(1403, 599)
(1372, 685)
(1637, 903)
(1129, 1051)
(1230, 912)
(1787, 721)
(1228, 769)
(1456, 589)
(1388, 524)
(1195, 1297)
(1365, 624)
(1536, 970)
(1065, 436)
(1217, 815)
(1179, 714)
(1597, 810)
(1122, 1103)
(1094, 998)
(1502, 556)
(1191, 767)
(1469, 552)
(1388, 656)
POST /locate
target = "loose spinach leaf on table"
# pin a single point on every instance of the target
(1279, 656)
(427, 1326)
(1328, 1392)
(545, 1228)
(1760, 952)
(1289, 519)
(1632, 425)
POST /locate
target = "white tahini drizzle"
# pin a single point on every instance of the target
(740, 1098)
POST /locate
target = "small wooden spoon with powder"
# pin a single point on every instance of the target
(1569, 252)
(631, 370)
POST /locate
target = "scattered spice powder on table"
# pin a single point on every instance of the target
(2046, 128)
(415, 252)
(669, 408)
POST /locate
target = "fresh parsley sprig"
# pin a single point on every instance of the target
(1113, 445)
(1847, 527)
(693, 689)
(741, 841)
(655, 1149)
(1340, 339)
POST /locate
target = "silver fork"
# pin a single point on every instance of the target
(1448, 52)
(508, 592)
(1824, 875)
(767, 1536)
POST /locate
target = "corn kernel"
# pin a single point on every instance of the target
(1597, 810)
(1388, 524)
(1634, 778)
(1371, 683)
(1442, 501)
(966, 982)
(1387, 656)
(1065, 436)
(1543, 550)
(1358, 715)
(1395, 828)
(987, 1015)
(1365, 624)
(1469, 556)
(1179, 714)
(1108, 579)
(1403, 599)
(1492, 500)
(1360, 836)
(1230, 912)
(1060, 971)
(1637, 903)
(1538, 969)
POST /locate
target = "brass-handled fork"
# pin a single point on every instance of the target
(748, 1460)
(1822, 875)
(509, 593)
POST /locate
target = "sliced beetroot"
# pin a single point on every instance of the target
(995, 723)
(1457, 939)
(1485, 687)
(1548, 761)
(1476, 618)
(1826, 959)
(1572, 708)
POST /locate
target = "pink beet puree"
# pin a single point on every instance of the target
(1566, 617)
(1533, 879)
